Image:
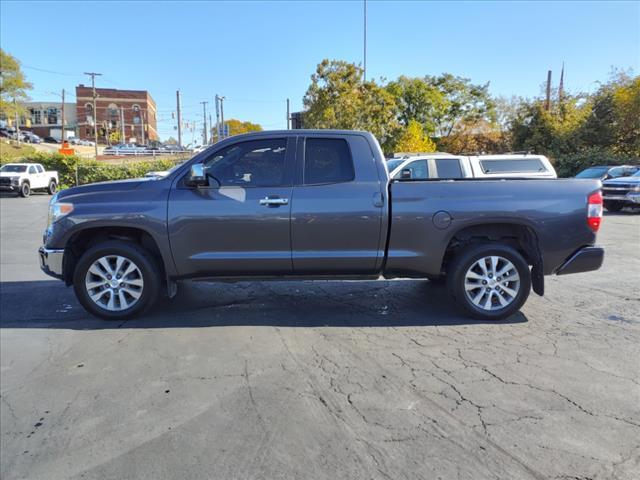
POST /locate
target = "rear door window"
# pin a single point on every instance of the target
(448, 168)
(516, 165)
(327, 160)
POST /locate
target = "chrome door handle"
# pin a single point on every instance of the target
(274, 202)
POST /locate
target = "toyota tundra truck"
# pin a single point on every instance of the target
(317, 204)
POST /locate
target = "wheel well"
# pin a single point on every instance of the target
(81, 241)
(520, 237)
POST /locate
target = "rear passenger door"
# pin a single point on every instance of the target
(337, 207)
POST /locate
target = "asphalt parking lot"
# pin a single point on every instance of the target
(319, 380)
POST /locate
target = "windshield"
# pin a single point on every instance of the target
(592, 172)
(393, 164)
(13, 168)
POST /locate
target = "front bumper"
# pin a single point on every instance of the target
(51, 261)
(584, 260)
(629, 198)
(10, 188)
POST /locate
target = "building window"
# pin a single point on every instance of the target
(136, 113)
(36, 116)
(52, 116)
(88, 109)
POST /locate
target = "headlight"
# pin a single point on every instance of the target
(636, 188)
(57, 210)
(15, 180)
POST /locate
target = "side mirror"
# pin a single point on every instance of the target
(197, 177)
(405, 173)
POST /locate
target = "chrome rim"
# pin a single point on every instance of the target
(492, 283)
(114, 283)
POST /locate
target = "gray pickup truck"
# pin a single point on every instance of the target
(317, 204)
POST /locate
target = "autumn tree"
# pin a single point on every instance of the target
(236, 127)
(413, 139)
(339, 98)
(13, 86)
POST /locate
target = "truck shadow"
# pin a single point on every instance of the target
(415, 303)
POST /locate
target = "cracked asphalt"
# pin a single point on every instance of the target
(319, 380)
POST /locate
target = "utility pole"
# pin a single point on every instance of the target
(211, 129)
(222, 116)
(204, 119)
(288, 116)
(179, 118)
(217, 118)
(95, 110)
(142, 126)
(15, 107)
(62, 120)
(365, 40)
(547, 104)
(123, 139)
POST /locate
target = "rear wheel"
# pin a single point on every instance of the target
(116, 280)
(490, 281)
(613, 206)
(52, 188)
(25, 190)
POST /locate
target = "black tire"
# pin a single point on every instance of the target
(131, 251)
(613, 206)
(464, 261)
(52, 188)
(25, 190)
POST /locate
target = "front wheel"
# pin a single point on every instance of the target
(25, 190)
(489, 281)
(116, 280)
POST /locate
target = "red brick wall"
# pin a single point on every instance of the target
(124, 100)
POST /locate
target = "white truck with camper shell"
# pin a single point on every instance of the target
(439, 165)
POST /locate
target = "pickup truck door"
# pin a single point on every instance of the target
(337, 209)
(34, 177)
(240, 223)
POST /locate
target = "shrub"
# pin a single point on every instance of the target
(91, 171)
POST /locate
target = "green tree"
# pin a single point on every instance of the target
(171, 141)
(418, 101)
(338, 98)
(13, 86)
(463, 102)
(413, 139)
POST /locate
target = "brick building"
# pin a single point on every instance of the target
(137, 108)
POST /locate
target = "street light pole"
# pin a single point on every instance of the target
(95, 110)
(204, 119)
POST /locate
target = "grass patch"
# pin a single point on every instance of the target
(10, 152)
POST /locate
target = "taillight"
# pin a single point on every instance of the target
(594, 210)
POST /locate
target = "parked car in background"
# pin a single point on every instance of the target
(50, 140)
(316, 204)
(447, 166)
(605, 172)
(429, 165)
(30, 137)
(621, 192)
(25, 177)
(126, 149)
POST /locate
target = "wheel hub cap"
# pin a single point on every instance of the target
(114, 283)
(492, 283)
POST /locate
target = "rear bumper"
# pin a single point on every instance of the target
(51, 261)
(584, 260)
